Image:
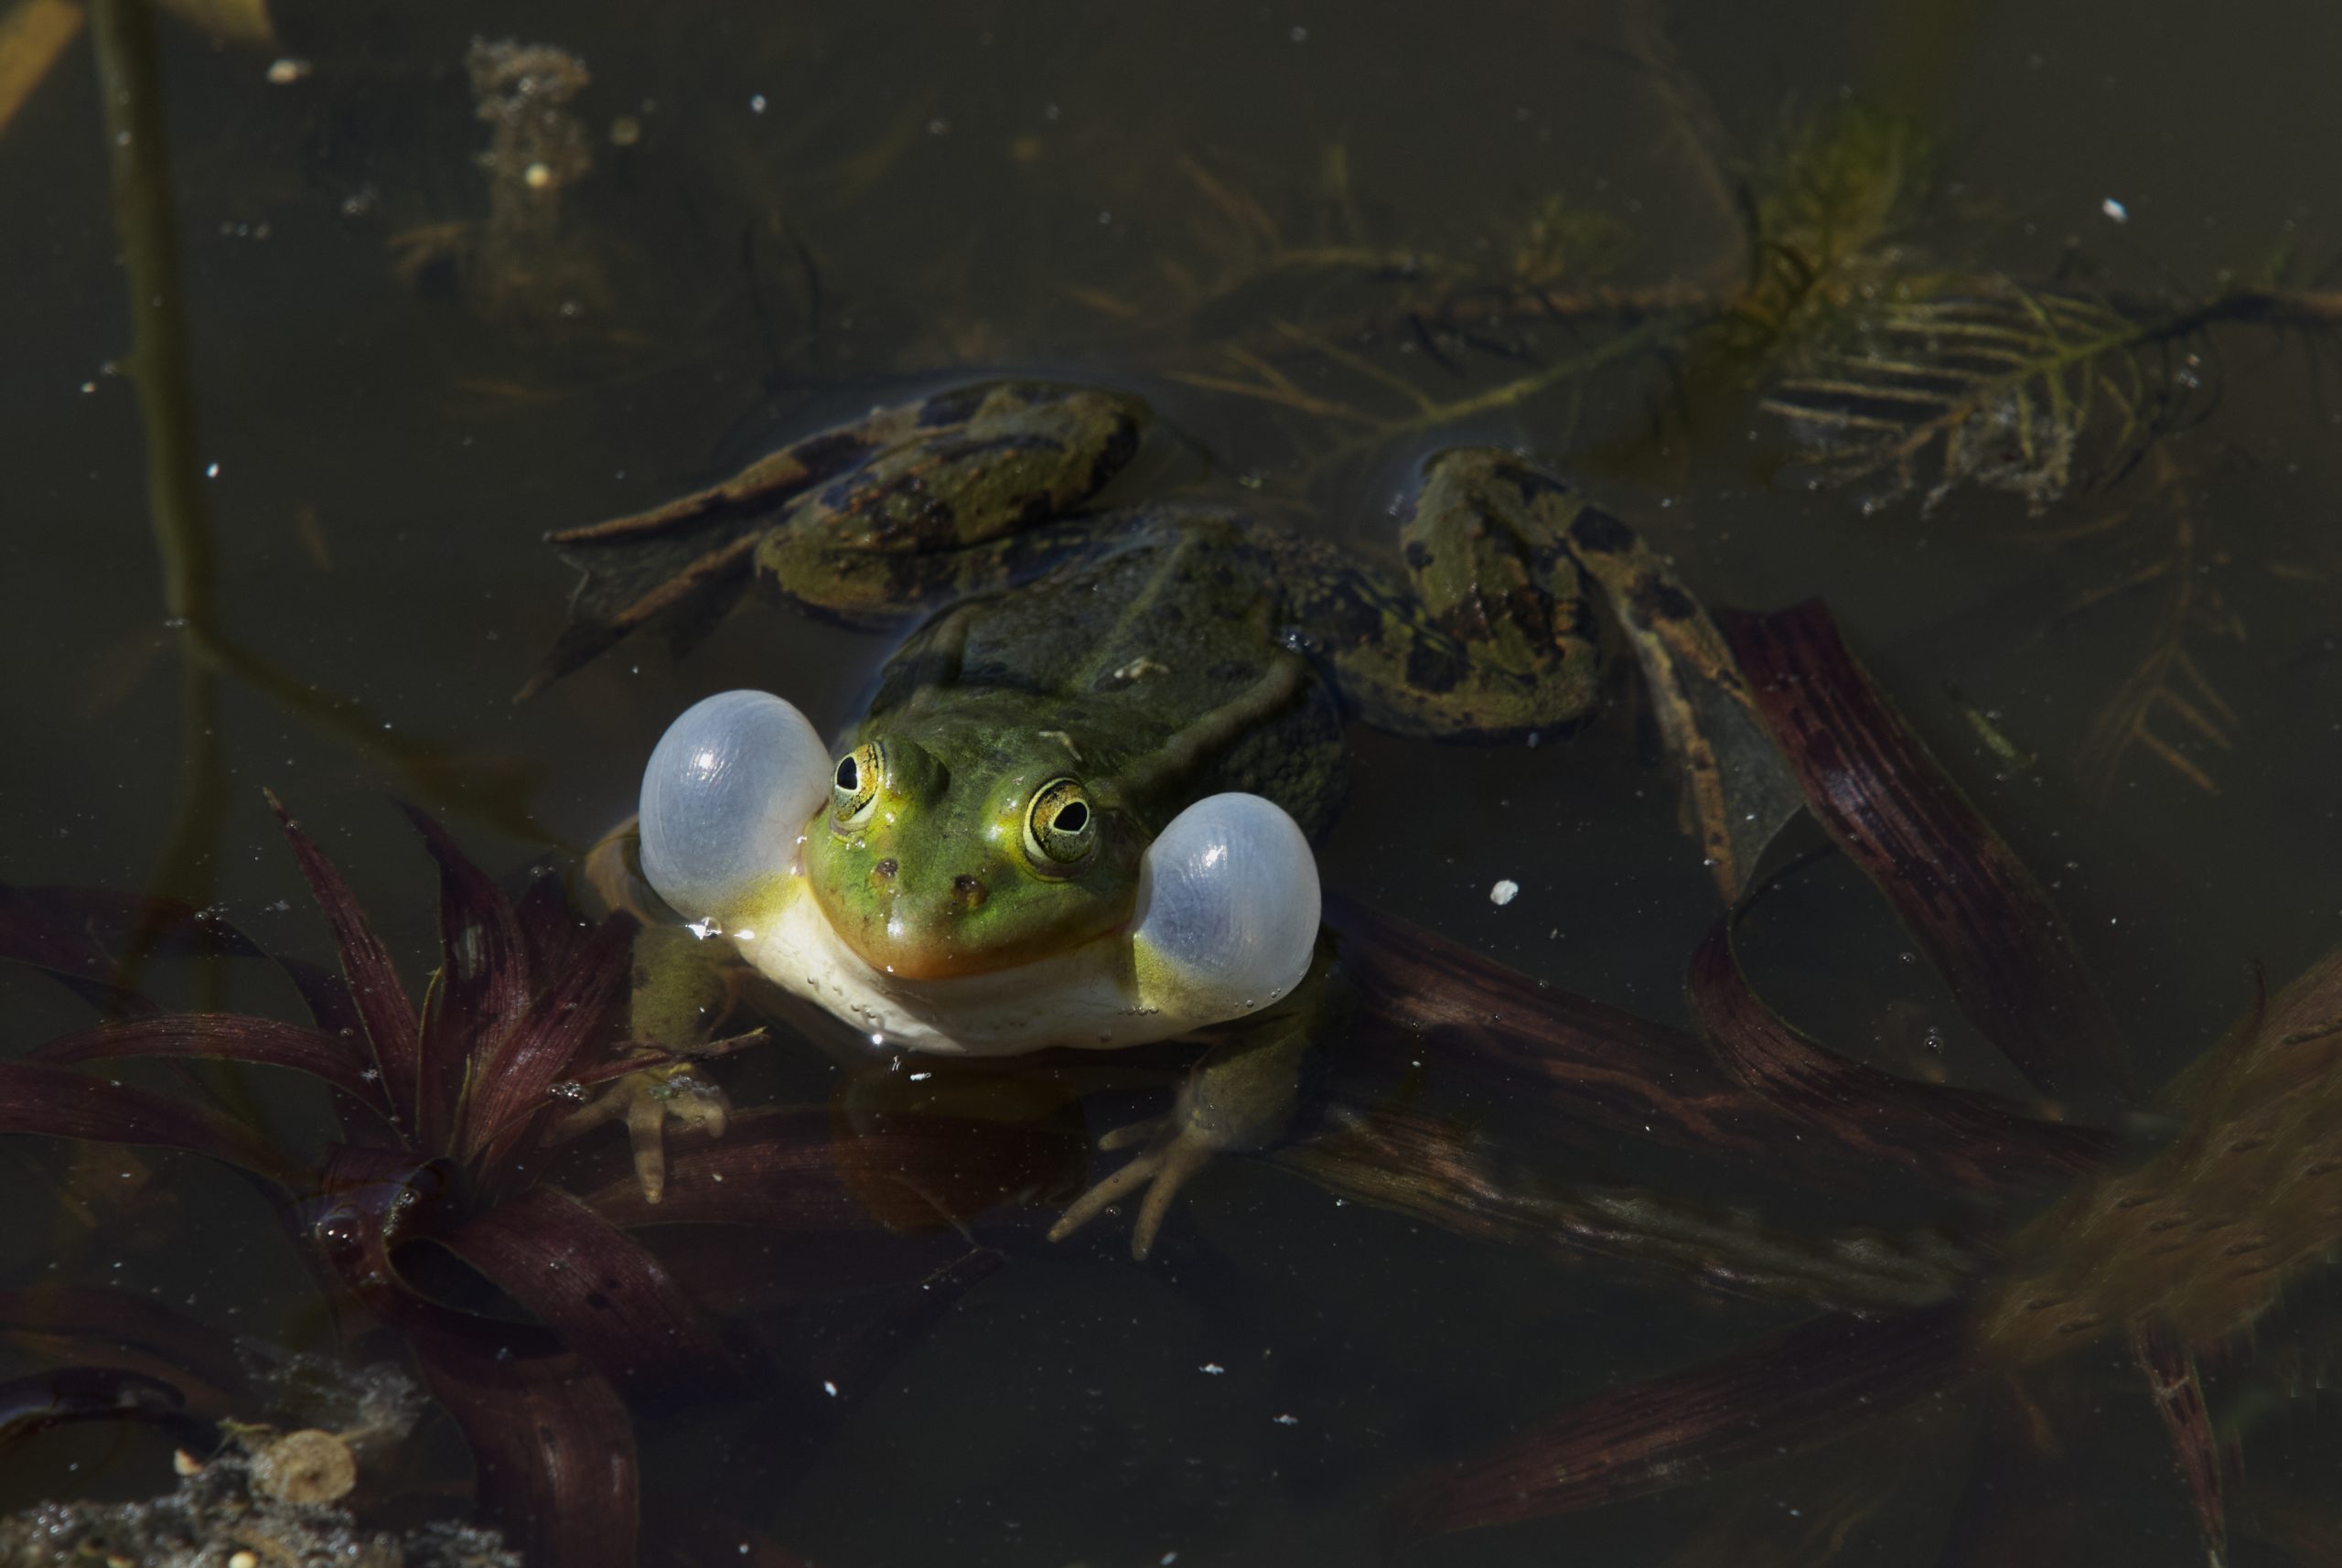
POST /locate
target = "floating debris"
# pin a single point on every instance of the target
(1504, 892)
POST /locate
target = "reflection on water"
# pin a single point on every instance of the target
(1985, 328)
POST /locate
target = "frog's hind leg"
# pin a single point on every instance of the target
(862, 523)
(1496, 640)
(1506, 563)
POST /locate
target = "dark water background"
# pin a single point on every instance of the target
(966, 182)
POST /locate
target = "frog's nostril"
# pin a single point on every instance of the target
(969, 892)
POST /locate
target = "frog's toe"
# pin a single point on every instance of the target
(1162, 1168)
(647, 1100)
(1137, 1132)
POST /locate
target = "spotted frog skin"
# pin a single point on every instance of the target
(1078, 676)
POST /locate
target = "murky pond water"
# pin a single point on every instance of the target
(1323, 244)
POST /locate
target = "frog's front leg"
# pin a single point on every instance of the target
(1240, 1098)
(682, 991)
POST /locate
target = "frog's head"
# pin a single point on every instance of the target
(932, 858)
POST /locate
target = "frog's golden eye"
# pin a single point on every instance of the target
(854, 787)
(1062, 826)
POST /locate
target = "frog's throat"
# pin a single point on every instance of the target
(1107, 991)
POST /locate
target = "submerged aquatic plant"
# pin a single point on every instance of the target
(445, 1111)
(2180, 1253)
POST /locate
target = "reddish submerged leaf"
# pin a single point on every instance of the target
(788, 1170)
(1594, 1064)
(608, 1297)
(1813, 1382)
(510, 1098)
(1422, 1167)
(375, 986)
(80, 935)
(552, 1447)
(2178, 1391)
(1956, 1138)
(228, 1036)
(88, 1323)
(1956, 884)
(35, 1097)
(483, 985)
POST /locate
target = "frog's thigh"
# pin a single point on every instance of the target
(1497, 636)
(977, 497)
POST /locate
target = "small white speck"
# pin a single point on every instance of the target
(2115, 210)
(286, 71)
(1299, 35)
(1167, 1559)
(922, 1077)
(212, 472)
(756, 104)
(1214, 1367)
(1504, 892)
(1286, 1420)
(702, 929)
(939, 127)
(830, 1389)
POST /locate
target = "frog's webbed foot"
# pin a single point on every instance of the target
(647, 1100)
(1172, 1155)
(1241, 1097)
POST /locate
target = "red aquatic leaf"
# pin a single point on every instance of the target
(80, 936)
(114, 1328)
(228, 1036)
(361, 1207)
(35, 1097)
(608, 1297)
(2179, 1392)
(1811, 1383)
(62, 1394)
(374, 987)
(1596, 1064)
(792, 1170)
(551, 929)
(510, 1098)
(483, 982)
(553, 1448)
(1957, 1138)
(1420, 1166)
(1956, 884)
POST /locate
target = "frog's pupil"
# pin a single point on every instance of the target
(849, 776)
(1071, 817)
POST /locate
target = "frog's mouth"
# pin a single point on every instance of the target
(938, 938)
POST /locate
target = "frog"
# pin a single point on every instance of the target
(1077, 809)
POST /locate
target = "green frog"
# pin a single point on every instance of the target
(1077, 810)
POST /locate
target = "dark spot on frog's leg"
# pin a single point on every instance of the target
(1574, 618)
(1600, 533)
(955, 407)
(1656, 600)
(1418, 555)
(1536, 482)
(1113, 453)
(826, 455)
(1433, 668)
(885, 867)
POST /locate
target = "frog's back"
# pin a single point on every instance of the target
(1171, 617)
